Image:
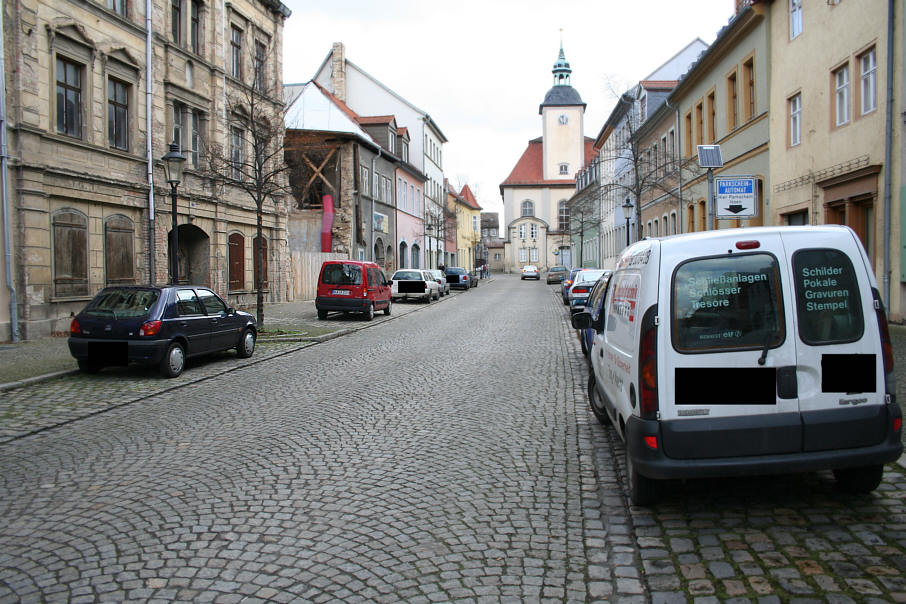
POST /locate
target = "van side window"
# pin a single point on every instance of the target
(827, 297)
(727, 303)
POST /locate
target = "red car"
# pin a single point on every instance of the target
(352, 286)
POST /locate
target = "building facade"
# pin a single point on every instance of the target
(535, 194)
(724, 100)
(89, 199)
(366, 95)
(832, 134)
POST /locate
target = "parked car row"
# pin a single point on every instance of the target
(742, 352)
(165, 325)
(352, 286)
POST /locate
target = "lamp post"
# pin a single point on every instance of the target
(173, 165)
(627, 214)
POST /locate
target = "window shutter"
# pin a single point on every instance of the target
(237, 261)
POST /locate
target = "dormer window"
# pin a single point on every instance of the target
(392, 142)
(404, 151)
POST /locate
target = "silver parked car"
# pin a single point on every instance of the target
(441, 279)
(583, 282)
(414, 284)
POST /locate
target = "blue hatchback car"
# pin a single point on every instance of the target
(593, 306)
(157, 325)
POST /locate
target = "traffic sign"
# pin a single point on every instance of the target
(736, 197)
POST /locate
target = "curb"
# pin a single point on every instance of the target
(33, 380)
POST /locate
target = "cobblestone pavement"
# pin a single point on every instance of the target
(439, 457)
(446, 456)
(70, 395)
(790, 538)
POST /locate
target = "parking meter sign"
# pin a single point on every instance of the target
(736, 197)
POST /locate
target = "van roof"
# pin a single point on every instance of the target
(736, 234)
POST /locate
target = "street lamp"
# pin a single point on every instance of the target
(627, 214)
(173, 165)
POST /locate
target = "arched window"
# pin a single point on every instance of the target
(263, 269)
(528, 208)
(70, 253)
(119, 258)
(404, 254)
(236, 261)
(563, 215)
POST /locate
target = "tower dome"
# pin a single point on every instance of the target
(562, 94)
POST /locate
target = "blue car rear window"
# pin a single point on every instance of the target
(123, 303)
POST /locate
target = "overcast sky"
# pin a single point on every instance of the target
(481, 68)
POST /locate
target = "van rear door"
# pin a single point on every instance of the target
(726, 372)
(840, 370)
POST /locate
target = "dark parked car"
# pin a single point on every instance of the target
(593, 307)
(157, 325)
(459, 278)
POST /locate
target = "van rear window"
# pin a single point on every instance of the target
(827, 297)
(727, 303)
(342, 274)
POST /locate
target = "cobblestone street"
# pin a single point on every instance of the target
(445, 453)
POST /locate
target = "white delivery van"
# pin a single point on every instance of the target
(746, 351)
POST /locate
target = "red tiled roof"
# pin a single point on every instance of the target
(529, 169)
(469, 198)
(376, 119)
(402, 131)
(343, 106)
(659, 84)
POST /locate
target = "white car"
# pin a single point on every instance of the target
(441, 279)
(746, 351)
(579, 291)
(414, 284)
(530, 271)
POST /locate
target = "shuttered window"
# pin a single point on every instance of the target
(119, 258)
(237, 261)
(263, 243)
(70, 253)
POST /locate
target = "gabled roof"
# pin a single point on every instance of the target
(469, 198)
(349, 63)
(314, 108)
(529, 170)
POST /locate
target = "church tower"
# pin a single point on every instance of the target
(562, 115)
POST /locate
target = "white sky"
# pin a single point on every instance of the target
(481, 68)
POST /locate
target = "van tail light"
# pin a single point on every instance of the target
(149, 328)
(886, 345)
(74, 328)
(897, 424)
(648, 405)
(651, 441)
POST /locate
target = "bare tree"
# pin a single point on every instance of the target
(250, 158)
(636, 172)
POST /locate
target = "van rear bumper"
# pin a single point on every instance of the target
(654, 463)
(341, 304)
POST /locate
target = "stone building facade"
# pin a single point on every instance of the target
(90, 114)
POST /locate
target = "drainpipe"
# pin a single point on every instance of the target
(149, 102)
(888, 143)
(4, 179)
(374, 185)
(677, 157)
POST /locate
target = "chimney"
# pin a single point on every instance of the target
(338, 70)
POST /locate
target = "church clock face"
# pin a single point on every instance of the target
(563, 119)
